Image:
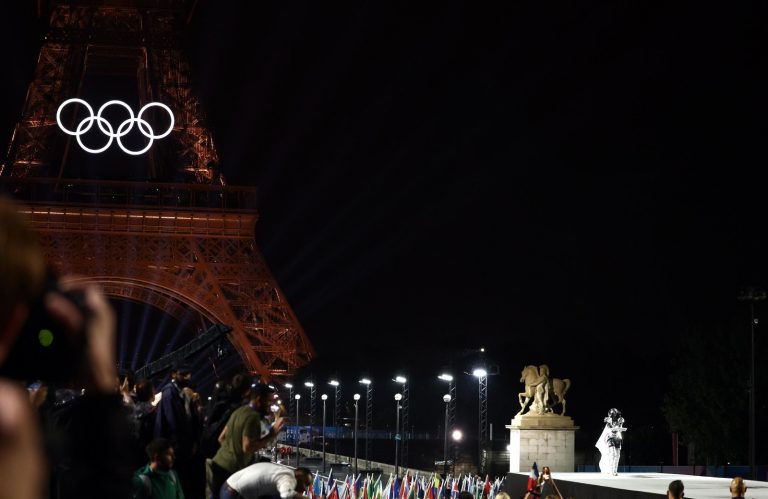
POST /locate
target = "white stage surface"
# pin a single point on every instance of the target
(636, 485)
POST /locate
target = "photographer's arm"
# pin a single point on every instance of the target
(105, 473)
(101, 372)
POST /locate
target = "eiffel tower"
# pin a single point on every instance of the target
(162, 228)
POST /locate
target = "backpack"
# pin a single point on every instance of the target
(209, 439)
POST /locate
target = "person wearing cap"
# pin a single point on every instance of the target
(242, 436)
(173, 423)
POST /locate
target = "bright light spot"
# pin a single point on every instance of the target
(398, 396)
(356, 396)
(480, 372)
(445, 377)
(45, 337)
(456, 435)
(333, 382)
(297, 396)
(400, 379)
(365, 381)
(324, 397)
(446, 398)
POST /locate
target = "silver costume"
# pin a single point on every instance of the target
(609, 442)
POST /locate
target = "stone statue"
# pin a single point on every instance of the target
(545, 392)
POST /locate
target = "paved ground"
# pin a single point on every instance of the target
(696, 487)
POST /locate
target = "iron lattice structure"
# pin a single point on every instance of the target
(183, 247)
(406, 425)
(482, 430)
(368, 423)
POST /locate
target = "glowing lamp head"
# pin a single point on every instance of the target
(297, 396)
(445, 377)
(333, 382)
(446, 398)
(401, 379)
(289, 386)
(456, 435)
(309, 384)
(480, 372)
(356, 397)
(324, 397)
(365, 381)
(398, 397)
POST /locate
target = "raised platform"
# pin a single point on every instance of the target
(635, 486)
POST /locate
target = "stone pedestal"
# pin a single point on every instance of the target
(546, 439)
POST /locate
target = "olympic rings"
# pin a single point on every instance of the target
(106, 128)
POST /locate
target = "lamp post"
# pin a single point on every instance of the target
(368, 417)
(335, 384)
(752, 295)
(406, 409)
(324, 397)
(311, 386)
(298, 430)
(275, 408)
(290, 398)
(456, 436)
(447, 400)
(357, 398)
(482, 420)
(398, 398)
(448, 377)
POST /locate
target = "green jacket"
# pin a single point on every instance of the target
(148, 484)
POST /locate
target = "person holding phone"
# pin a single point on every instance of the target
(82, 329)
(548, 485)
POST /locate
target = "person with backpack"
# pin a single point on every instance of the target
(228, 398)
(157, 480)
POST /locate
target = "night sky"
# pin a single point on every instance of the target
(576, 185)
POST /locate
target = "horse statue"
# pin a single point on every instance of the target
(545, 392)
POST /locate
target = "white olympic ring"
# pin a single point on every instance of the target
(106, 128)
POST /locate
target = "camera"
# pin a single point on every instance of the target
(45, 349)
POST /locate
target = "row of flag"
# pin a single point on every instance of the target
(406, 487)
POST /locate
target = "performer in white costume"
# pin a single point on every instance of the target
(609, 442)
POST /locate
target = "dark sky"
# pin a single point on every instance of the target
(577, 185)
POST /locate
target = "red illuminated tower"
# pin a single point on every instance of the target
(162, 228)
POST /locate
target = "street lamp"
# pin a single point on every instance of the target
(357, 398)
(447, 400)
(406, 409)
(290, 398)
(752, 295)
(298, 429)
(448, 377)
(335, 384)
(398, 398)
(368, 417)
(311, 386)
(456, 435)
(482, 420)
(275, 408)
(324, 397)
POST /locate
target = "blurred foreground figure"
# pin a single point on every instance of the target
(59, 332)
